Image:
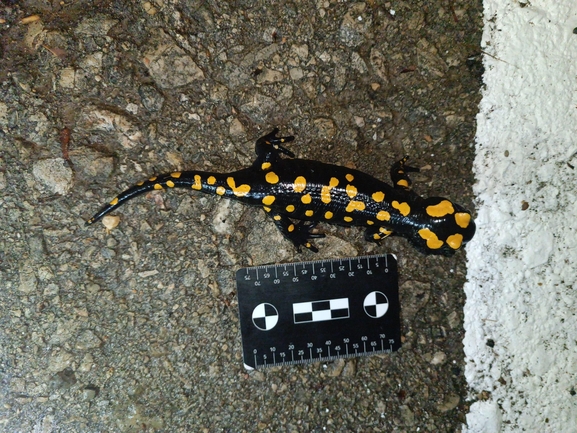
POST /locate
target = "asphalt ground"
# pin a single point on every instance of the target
(136, 328)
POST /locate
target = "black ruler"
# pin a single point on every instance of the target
(318, 311)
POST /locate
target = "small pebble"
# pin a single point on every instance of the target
(149, 8)
(110, 222)
(30, 19)
(438, 358)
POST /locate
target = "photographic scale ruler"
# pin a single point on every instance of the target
(315, 311)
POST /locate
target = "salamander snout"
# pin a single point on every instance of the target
(446, 227)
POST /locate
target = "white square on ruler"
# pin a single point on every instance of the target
(337, 304)
(303, 307)
(319, 316)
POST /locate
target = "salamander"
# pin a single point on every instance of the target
(298, 193)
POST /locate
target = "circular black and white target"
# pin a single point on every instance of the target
(376, 304)
(265, 316)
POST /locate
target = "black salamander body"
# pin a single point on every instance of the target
(312, 192)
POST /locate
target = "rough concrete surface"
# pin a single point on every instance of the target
(135, 328)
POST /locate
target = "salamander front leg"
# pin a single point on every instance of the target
(375, 234)
(399, 174)
(298, 233)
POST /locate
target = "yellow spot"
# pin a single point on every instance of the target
(170, 184)
(376, 236)
(441, 209)
(433, 241)
(277, 217)
(348, 219)
(197, 185)
(355, 205)
(385, 231)
(271, 177)
(455, 241)
(306, 199)
(265, 165)
(328, 215)
(326, 190)
(242, 190)
(268, 200)
(462, 219)
(309, 213)
(157, 186)
(404, 207)
(266, 208)
(140, 183)
(370, 223)
(291, 228)
(326, 194)
(308, 245)
(300, 184)
(383, 215)
(114, 202)
(290, 208)
(403, 182)
(378, 196)
(220, 190)
(351, 191)
(152, 179)
(176, 174)
(239, 191)
(349, 177)
(211, 180)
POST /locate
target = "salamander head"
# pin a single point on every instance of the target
(446, 227)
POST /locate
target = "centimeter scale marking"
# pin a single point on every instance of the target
(318, 311)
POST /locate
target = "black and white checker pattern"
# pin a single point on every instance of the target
(265, 316)
(376, 304)
(318, 311)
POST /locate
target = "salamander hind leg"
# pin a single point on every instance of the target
(399, 174)
(269, 147)
(298, 233)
